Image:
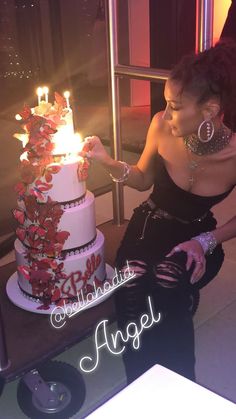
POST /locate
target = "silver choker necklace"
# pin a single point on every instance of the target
(219, 141)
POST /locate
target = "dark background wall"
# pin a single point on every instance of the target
(172, 35)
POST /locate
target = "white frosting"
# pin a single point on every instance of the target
(75, 267)
(80, 222)
(66, 186)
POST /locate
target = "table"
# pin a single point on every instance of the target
(161, 393)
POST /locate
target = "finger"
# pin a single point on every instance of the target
(81, 153)
(196, 275)
(89, 142)
(189, 261)
(92, 139)
(85, 154)
(88, 154)
(176, 249)
(88, 138)
(198, 272)
(196, 278)
(201, 273)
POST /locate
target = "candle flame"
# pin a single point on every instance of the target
(66, 94)
(39, 91)
(69, 146)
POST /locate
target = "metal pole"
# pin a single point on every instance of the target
(118, 193)
(204, 24)
(143, 73)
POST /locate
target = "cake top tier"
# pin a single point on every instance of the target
(49, 147)
(54, 120)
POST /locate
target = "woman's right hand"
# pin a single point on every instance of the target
(94, 149)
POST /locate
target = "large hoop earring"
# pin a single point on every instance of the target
(208, 127)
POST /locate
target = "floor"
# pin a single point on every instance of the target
(215, 329)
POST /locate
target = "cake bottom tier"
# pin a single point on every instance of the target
(82, 269)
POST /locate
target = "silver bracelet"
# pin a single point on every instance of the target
(125, 175)
(207, 241)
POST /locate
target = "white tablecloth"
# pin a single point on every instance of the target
(161, 393)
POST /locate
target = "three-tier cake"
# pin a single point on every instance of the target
(59, 251)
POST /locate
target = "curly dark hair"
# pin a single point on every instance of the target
(211, 73)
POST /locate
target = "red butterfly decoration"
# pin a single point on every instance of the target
(25, 271)
(56, 294)
(60, 100)
(26, 112)
(21, 233)
(20, 188)
(19, 215)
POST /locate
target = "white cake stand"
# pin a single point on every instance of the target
(20, 300)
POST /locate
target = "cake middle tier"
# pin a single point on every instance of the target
(77, 219)
(80, 222)
(85, 267)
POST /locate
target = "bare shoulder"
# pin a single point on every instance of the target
(159, 123)
(155, 135)
(159, 128)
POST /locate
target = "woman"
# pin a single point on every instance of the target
(172, 241)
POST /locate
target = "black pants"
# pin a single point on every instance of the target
(166, 280)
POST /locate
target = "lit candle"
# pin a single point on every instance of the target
(39, 92)
(66, 96)
(45, 91)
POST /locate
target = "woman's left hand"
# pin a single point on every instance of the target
(194, 254)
